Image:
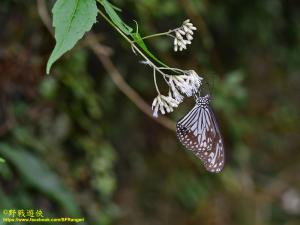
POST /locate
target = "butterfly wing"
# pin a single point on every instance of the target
(214, 158)
(199, 132)
(185, 133)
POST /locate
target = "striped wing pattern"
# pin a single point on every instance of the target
(199, 132)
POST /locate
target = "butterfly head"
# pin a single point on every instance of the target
(203, 101)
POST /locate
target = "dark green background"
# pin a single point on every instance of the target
(76, 146)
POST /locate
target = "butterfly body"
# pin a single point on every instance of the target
(198, 131)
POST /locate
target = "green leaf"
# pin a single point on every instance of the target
(140, 42)
(115, 18)
(71, 19)
(2, 160)
(112, 5)
(38, 175)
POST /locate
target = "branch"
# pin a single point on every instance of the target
(44, 15)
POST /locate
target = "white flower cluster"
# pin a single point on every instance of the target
(183, 35)
(164, 104)
(186, 84)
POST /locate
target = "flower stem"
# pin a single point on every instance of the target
(173, 69)
(168, 33)
(155, 82)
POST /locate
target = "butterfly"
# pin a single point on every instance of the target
(198, 131)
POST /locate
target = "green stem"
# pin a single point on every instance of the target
(159, 34)
(113, 6)
(131, 42)
(114, 26)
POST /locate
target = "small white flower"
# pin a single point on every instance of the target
(188, 42)
(164, 104)
(183, 35)
(175, 93)
(179, 82)
(178, 35)
(189, 25)
(194, 81)
(190, 32)
(185, 28)
(181, 31)
(175, 41)
(189, 37)
(175, 48)
(187, 84)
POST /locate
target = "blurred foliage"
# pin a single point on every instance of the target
(74, 145)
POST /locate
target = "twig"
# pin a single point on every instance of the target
(44, 15)
(111, 69)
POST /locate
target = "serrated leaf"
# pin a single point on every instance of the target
(71, 19)
(115, 18)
